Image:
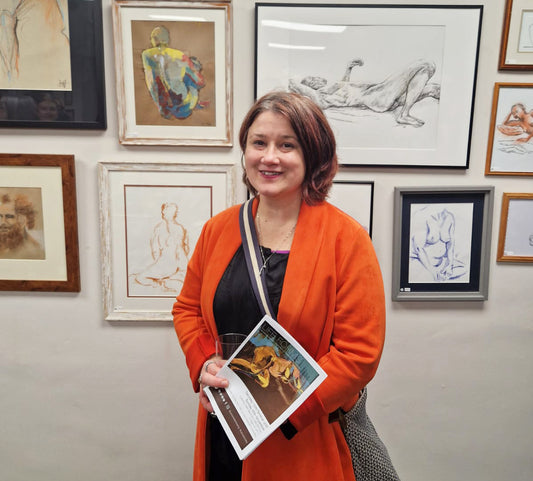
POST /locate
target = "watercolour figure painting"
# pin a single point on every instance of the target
(21, 223)
(35, 45)
(162, 225)
(174, 72)
(440, 243)
(511, 141)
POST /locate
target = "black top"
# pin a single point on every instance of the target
(237, 310)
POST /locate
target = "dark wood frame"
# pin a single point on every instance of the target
(68, 180)
(504, 222)
(88, 79)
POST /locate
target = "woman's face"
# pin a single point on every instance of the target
(273, 157)
(47, 110)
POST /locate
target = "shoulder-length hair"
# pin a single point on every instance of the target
(314, 135)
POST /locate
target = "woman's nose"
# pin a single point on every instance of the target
(271, 154)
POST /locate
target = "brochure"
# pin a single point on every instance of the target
(270, 375)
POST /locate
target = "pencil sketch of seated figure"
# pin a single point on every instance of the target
(396, 94)
(433, 253)
(169, 246)
(518, 124)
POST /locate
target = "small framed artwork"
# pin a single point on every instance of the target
(356, 198)
(52, 73)
(174, 72)
(151, 218)
(516, 51)
(38, 223)
(441, 243)
(510, 146)
(515, 242)
(402, 98)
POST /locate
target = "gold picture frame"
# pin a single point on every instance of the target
(515, 241)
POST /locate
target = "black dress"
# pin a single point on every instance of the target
(237, 310)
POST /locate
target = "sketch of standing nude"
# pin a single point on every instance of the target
(169, 246)
(397, 93)
(34, 44)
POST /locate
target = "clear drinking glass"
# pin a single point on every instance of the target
(226, 344)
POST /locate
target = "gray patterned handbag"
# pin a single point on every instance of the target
(370, 458)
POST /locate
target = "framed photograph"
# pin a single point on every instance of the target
(441, 243)
(515, 243)
(52, 73)
(396, 82)
(38, 223)
(516, 51)
(170, 89)
(151, 218)
(510, 146)
(356, 198)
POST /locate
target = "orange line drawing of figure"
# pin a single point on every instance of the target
(169, 246)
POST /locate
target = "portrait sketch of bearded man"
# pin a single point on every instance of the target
(21, 223)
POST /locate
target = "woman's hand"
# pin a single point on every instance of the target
(208, 378)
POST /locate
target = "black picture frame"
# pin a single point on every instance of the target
(83, 107)
(420, 273)
(356, 198)
(305, 48)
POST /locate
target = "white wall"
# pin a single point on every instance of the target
(85, 399)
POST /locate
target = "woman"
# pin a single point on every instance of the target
(324, 284)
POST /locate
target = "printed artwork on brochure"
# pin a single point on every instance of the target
(510, 146)
(389, 78)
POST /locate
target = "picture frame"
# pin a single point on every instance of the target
(515, 240)
(441, 243)
(165, 205)
(510, 148)
(191, 102)
(516, 50)
(71, 95)
(38, 223)
(356, 198)
(302, 48)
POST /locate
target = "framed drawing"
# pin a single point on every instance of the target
(510, 147)
(170, 89)
(441, 243)
(431, 52)
(151, 218)
(515, 243)
(516, 51)
(38, 223)
(52, 73)
(356, 198)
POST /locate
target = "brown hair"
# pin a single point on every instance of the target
(314, 135)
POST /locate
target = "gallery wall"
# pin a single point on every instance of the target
(88, 399)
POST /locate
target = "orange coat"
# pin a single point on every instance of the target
(332, 302)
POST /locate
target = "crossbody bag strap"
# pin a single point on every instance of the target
(252, 254)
